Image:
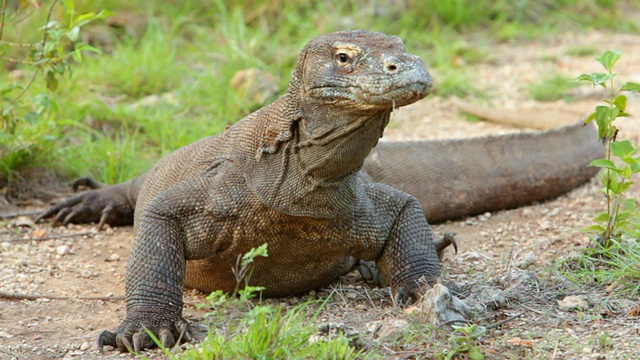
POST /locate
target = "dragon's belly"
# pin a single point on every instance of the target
(303, 254)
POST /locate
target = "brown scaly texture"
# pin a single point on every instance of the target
(285, 175)
(288, 175)
(472, 176)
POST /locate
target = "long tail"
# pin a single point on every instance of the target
(456, 178)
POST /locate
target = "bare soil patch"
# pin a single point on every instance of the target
(87, 267)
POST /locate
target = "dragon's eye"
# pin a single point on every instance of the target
(343, 58)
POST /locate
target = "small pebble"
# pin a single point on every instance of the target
(113, 257)
(62, 250)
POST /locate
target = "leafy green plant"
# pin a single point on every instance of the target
(621, 214)
(614, 261)
(264, 331)
(464, 341)
(28, 120)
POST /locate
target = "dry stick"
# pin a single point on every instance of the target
(16, 214)
(489, 326)
(541, 312)
(51, 237)
(4, 8)
(14, 296)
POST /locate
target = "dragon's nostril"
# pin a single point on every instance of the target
(392, 67)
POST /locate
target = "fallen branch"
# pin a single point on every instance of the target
(7, 216)
(51, 237)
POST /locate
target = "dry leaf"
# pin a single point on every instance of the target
(516, 341)
(38, 233)
(411, 309)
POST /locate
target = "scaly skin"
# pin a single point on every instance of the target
(286, 175)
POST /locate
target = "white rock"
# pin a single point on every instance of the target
(573, 302)
(392, 328)
(438, 305)
(62, 250)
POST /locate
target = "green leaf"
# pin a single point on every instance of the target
(596, 228)
(604, 163)
(77, 55)
(620, 102)
(31, 117)
(475, 354)
(51, 80)
(625, 186)
(630, 204)
(614, 186)
(623, 216)
(603, 217)
(635, 168)
(50, 25)
(589, 118)
(601, 78)
(630, 86)
(70, 6)
(73, 34)
(601, 118)
(612, 114)
(609, 59)
(477, 331)
(583, 77)
(622, 149)
(86, 47)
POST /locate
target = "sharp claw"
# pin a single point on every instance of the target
(448, 239)
(370, 272)
(365, 271)
(106, 338)
(399, 296)
(166, 338)
(451, 237)
(44, 216)
(106, 214)
(87, 182)
(185, 331)
(123, 343)
(142, 341)
(61, 215)
(134, 337)
(69, 217)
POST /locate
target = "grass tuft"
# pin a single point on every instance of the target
(551, 87)
(616, 267)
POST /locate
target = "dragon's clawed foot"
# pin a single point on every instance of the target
(133, 336)
(104, 205)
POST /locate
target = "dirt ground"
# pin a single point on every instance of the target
(86, 267)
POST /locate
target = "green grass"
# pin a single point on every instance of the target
(186, 53)
(617, 266)
(582, 50)
(268, 332)
(551, 87)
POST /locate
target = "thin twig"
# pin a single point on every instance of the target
(9, 43)
(6, 216)
(51, 237)
(541, 312)
(4, 8)
(15, 296)
(44, 42)
(502, 322)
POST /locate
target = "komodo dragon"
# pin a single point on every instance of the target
(288, 174)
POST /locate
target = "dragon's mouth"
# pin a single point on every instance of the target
(377, 91)
(399, 96)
